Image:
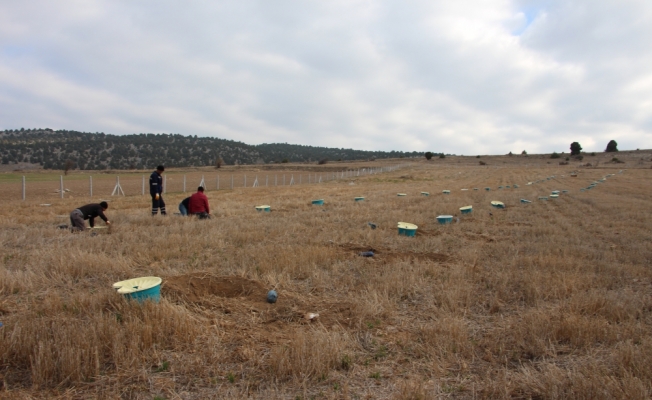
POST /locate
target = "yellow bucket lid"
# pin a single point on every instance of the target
(466, 208)
(425, 192)
(406, 225)
(446, 191)
(401, 194)
(137, 284)
(262, 207)
(497, 203)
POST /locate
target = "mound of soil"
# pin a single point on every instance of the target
(389, 255)
(195, 287)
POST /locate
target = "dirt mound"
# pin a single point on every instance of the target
(389, 255)
(195, 287)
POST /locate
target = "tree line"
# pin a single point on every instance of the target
(64, 149)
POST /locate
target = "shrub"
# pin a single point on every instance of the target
(575, 148)
(477, 156)
(442, 155)
(323, 161)
(428, 155)
(555, 155)
(611, 146)
(285, 161)
(483, 163)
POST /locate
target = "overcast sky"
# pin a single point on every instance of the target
(462, 76)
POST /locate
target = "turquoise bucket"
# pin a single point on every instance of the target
(140, 289)
(525, 201)
(359, 199)
(500, 187)
(507, 187)
(401, 194)
(425, 194)
(446, 191)
(555, 192)
(487, 189)
(407, 229)
(466, 210)
(319, 202)
(515, 186)
(445, 219)
(475, 188)
(498, 204)
(263, 208)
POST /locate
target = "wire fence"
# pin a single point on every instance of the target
(130, 184)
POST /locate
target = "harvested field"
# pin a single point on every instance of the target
(543, 300)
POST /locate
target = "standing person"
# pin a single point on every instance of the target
(88, 212)
(184, 205)
(156, 190)
(198, 204)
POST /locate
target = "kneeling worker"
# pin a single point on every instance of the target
(89, 212)
(198, 204)
(184, 206)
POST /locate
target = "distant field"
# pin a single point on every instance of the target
(551, 299)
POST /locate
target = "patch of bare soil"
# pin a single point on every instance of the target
(390, 255)
(238, 298)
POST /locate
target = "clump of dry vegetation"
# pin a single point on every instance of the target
(543, 300)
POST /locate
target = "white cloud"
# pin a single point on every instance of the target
(469, 76)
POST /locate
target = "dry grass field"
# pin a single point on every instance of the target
(547, 300)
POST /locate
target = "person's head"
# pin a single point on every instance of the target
(160, 169)
(200, 189)
(104, 205)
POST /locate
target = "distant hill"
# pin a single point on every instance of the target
(96, 151)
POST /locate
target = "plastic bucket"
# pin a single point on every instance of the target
(263, 208)
(446, 191)
(445, 219)
(140, 289)
(407, 229)
(487, 189)
(498, 204)
(359, 199)
(475, 188)
(543, 198)
(319, 202)
(525, 201)
(425, 194)
(466, 209)
(401, 194)
(554, 196)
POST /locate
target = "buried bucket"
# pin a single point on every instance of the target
(359, 199)
(401, 194)
(263, 208)
(525, 201)
(446, 191)
(319, 202)
(466, 209)
(445, 219)
(498, 204)
(407, 229)
(140, 289)
(425, 194)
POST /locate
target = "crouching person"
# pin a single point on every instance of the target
(198, 204)
(88, 212)
(184, 206)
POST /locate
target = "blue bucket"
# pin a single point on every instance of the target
(500, 187)
(263, 208)
(140, 289)
(487, 189)
(407, 229)
(425, 194)
(466, 209)
(497, 204)
(475, 188)
(507, 187)
(525, 201)
(445, 219)
(446, 191)
(359, 199)
(319, 202)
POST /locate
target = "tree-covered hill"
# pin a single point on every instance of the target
(82, 150)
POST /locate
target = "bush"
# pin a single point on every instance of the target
(323, 161)
(477, 156)
(611, 146)
(483, 163)
(575, 149)
(285, 161)
(554, 155)
(428, 155)
(442, 155)
(593, 154)
(524, 153)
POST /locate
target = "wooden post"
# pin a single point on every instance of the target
(143, 192)
(245, 180)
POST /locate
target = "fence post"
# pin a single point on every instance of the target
(90, 180)
(283, 179)
(143, 191)
(61, 184)
(275, 180)
(23, 187)
(218, 182)
(266, 180)
(231, 182)
(184, 183)
(245, 180)
(165, 184)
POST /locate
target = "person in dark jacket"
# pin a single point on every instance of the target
(88, 212)
(156, 190)
(184, 205)
(199, 204)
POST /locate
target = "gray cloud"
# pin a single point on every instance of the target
(466, 77)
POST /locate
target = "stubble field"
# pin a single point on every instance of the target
(551, 299)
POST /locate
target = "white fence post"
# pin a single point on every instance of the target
(231, 182)
(143, 191)
(23, 187)
(61, 184)
(184, 183)
(245, 180)
(218, 182)
(90, 181)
